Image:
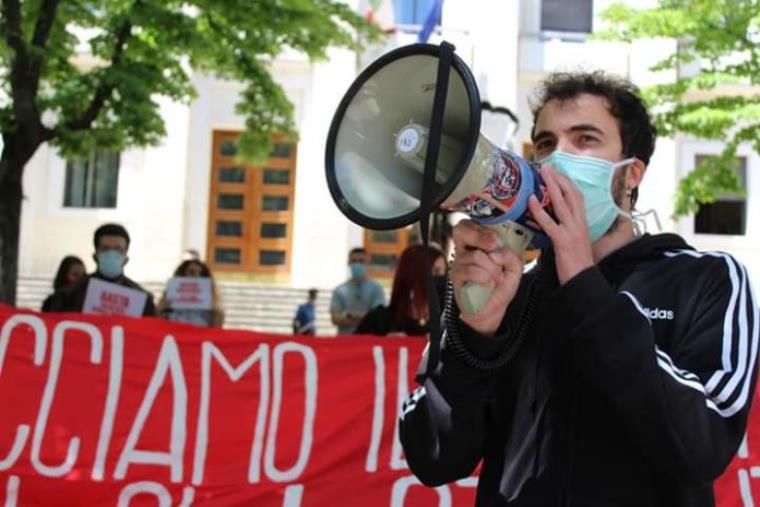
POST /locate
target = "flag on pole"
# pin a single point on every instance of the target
(432, 20)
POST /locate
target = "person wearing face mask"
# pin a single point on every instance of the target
(352, 299)
(111, 243)
(407, 312)
(617, 371)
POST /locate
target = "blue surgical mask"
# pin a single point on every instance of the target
(593, 177)
(358, 270)
(111, 263)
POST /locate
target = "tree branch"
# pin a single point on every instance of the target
(104, 90)
(23, 97)
(26, 115)
(12, 31)
(40, 38)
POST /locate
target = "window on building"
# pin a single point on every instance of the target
(383, 250)
(567, 15)
(413, 12)
(92, 182)
(728, 214)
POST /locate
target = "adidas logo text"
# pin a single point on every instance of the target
(657, 313)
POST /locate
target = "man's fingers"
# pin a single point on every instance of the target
(560, 207)
(470, 273)
(507, 259)
(571, 194)
(469, 235)
(474, 265)
(547, 223)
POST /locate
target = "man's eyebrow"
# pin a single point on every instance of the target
(541, 135)
(581, 127)
(586, 127)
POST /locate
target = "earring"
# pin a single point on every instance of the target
(628, 192)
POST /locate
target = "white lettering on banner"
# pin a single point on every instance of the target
(112, 400)
(293, 495)
(56, 354)
(397, 460)
(11, 491)
(745, 490)
(40, 343)
(154, 488)
(209, 352)
(378, 411)
(310, 387)
(402, 485)
(168, 359)
(468, 482)
(188, 495)
(40, 337)
(22, 433)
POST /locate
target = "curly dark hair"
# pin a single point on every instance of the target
(637, 132)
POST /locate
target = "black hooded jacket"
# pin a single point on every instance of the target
(628, 386)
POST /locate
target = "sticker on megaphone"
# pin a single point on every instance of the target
(494, 190)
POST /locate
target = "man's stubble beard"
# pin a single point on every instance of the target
(618, 195)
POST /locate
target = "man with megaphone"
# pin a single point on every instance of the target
(617, 371)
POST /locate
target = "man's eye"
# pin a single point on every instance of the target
(588, 139)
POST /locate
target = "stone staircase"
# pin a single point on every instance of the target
(259, 307)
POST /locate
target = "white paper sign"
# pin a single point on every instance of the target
(106, 298)
(189, 293)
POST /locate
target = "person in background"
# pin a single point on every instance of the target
(407, 313)
(70, 271)
(206, 318)
(111, 242)
(352, 299)
(305, 320)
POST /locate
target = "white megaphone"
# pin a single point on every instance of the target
(378, 146)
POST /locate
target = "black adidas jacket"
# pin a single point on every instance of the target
(628, 386)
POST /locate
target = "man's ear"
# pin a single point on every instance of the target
(95, 258)
(126, 260)
(635, 174)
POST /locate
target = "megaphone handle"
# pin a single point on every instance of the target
(512, 235)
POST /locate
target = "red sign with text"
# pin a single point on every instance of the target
(113, 411)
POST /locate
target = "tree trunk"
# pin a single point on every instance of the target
(10, 226)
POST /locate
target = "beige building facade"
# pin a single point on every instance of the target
(276, 222)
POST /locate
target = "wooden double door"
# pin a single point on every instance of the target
(250, 225)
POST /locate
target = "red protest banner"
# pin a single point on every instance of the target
(739, 485)
(112, 411)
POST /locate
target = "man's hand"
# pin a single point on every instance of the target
(569, 234)
(481, 259)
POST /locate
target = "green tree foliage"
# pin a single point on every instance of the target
(95, 68)
(84, 73)
(719, 102)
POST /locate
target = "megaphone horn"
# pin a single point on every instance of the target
(409, 116)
